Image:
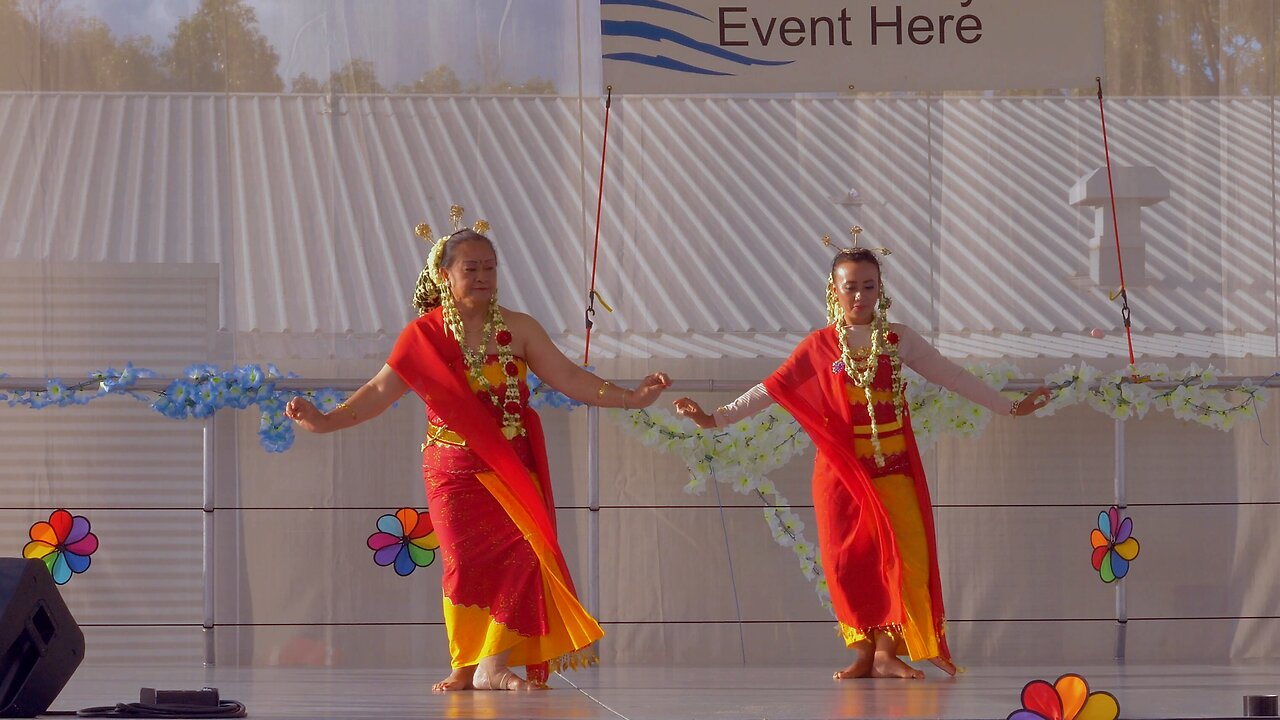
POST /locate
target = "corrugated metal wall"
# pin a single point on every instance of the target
(712, 211)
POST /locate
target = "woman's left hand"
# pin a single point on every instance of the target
(1033, 401)
(648, 391)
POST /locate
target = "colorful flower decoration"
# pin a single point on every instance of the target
(406, 540)
(200, 392)
(1067, 699)
(1113, 545)
(543, 395)
(64, 543)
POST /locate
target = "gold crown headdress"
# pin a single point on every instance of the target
(834, 312)
(855, 231)
(431, 282)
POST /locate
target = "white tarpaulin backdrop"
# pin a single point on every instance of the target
(250, 199)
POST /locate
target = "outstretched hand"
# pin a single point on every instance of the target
(1033, 401)
(692, 410)
(305, 414)
(648, 391)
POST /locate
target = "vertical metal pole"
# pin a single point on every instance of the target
(206, 523)
(593, 515)
(1122, 605)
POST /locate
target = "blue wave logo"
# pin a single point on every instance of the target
(659, 34)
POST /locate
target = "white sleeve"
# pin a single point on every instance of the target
(748, 403)
(917, 354)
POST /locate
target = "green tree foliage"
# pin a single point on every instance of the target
(1191, 47)
(304, 83)
(18, 49)
(533, 86)
(356, 77)
(360, 77)
(441, 80)
(220, 49)
(95, 60)
(45, 46)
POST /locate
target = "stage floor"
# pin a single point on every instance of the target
(644, 693)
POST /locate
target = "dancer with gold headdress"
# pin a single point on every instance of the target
(844, 385)
(508, 597)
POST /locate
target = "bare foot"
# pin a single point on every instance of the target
(459, 679)
(499, 678)
(944, 665)
(888, 665)
(861, 665)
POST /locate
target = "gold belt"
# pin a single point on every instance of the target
(442, 435)
(864, 431)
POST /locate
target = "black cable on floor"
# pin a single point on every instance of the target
(224, 709)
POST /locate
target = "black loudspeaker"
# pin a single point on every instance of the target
(40, 643)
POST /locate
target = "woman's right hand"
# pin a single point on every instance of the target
(692, 410)
(647, 391)
(306, 415)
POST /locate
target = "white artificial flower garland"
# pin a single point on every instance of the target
(741, 455)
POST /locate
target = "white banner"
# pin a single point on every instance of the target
(777, 46)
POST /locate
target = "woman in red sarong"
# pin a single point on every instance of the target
(844, 385)
(508, 597)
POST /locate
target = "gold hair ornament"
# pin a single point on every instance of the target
(855, 231)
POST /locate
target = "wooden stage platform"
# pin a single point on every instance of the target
(649, 693)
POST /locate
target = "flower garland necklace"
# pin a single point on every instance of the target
(495, 328)
(862, 369)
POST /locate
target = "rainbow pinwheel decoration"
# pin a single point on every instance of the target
(64, 543)
(1067, 699)
(1113, 545)
(406, 540)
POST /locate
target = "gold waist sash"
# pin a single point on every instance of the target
(442, 435)
(882, 429)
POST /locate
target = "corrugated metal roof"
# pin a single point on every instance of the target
(986, 345)
(713, 207)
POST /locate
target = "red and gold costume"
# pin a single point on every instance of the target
(875, 523)
(506, 586)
